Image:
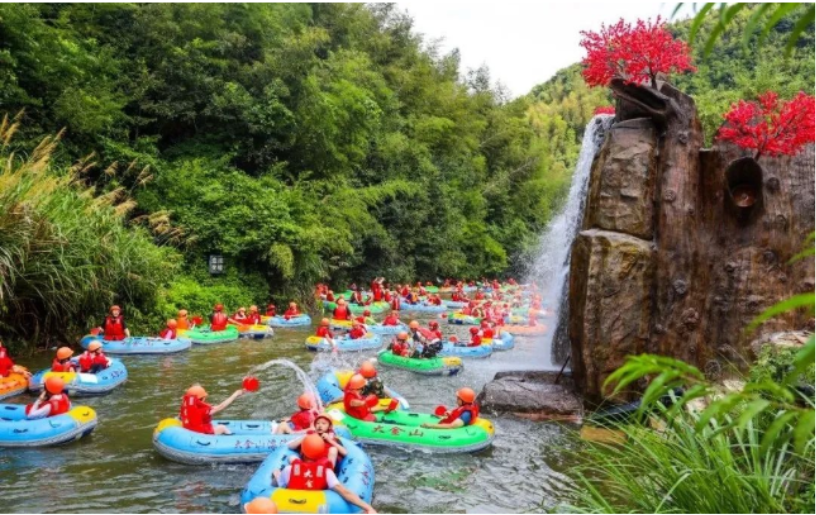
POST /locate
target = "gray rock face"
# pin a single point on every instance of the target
(532, 395)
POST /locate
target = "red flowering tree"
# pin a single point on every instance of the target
(633, 53)
(605, 110)
(770, 126)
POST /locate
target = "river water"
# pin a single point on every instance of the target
(117, 469)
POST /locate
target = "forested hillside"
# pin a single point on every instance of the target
(304, 142)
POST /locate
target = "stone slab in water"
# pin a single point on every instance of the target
(532, 395)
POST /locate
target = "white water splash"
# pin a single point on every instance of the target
(550, 270)
(303, 377)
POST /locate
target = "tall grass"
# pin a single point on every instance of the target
(66, 253)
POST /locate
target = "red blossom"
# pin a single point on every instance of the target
(634, 53)
(605, 110)
(770, 126)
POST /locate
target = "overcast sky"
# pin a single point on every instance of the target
(523, 43)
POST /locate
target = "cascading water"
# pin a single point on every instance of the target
(550, 270)
(303, 377)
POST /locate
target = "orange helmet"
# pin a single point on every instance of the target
(261, 505)
(305, 401)
(54, 385)
(313, 446)
(115, 308)
(182, 313)
(64, 353)
(467, 395)
(367, 370)
(172, 323)
(94, 346)
(402, 335)
(356, 382)
(218, 307)
(325, 321)
(197, 391)
(414, 324)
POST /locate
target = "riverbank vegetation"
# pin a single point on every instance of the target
(300, 142)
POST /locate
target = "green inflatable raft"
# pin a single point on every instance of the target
(403, 429)
(204, 336)
(448, 366)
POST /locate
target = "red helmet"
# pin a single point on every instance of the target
(474, 330)
(367, 313)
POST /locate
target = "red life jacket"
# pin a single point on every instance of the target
(218, 322)
(475, 341)
(303, 419)
(168, 334)
(240, 318)
(308, 475)
(291, 312)
(360, 319)
(86, 361)
(398, 348)
(56, 366)
(60, 404)
(356, 333)
(405, 291)
(271, 312)
(437, 334)
(395, 303)
(254, 318)
(391, 320)
(114, 328)
(195, 414)
(330, 297)
(472, 408)
(378, 294)
(6, 363)
(324, 332)
(358, 412)
(341, 313)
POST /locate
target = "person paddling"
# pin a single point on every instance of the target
(464, 414)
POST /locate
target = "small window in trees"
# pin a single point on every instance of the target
(216, 264)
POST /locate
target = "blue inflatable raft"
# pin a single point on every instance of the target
(16, 431)
(481, 351)
(454, 304)
(80, 383)
(423, 308)
(344, 344)
(504, 342)
(139, 345)
(302, 320)
(387, 330)
(330, 387)
(355, 472)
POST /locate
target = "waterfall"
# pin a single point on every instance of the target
(550, 269)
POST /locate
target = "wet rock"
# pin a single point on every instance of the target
(531, 395)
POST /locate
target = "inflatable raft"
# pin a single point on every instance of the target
(344, 343)
(454, 304)
(355, 472)
(525, 330)
(460, 319)
(505, 341)
(13, 384)
(424, 308)
(80, 383)
(439, 366)
(480, 351)
(403, 429)
(331, 385)
(16, 431)
(302, 320)
(204, 336)
(375, 308)
(255, 331)
(139, 345)
(387, 330)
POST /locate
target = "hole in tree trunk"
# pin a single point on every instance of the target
(744, 186)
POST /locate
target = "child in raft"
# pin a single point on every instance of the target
(400, 345)
(113, 327)
(196, 415)
(300, 421)
(52, 401)
(342, 311)
(7, 365)
(93, 360)
(240, 317)
(357, 331)
(218, 320)
(392, 319)
(324, 428)
(292, 312)
(465, 413)
(182, 323)
(324, 331)
(358, 406)
(312, 471)
(271, 310)
(169, 332)
(254, 317)
(62, 362)
(374, 385)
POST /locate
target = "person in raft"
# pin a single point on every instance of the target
(464, 414)
(271, 310)
(182, 323)
(359, 406)
(312, 471)
(52, 401)
(392, 319)
(433, 326)
(324, 428)
(358, 331)
(475, 337)
(93, 360)
(324, 331)
(292, 312)
(342, 311)
(196, 415)
(7, 365)
(62, 362)
(374, 385)
(400, 345)
(240, 317)
(254, 316)
(300, 421)
(169, 332)
(218, 320)
(113, 327)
